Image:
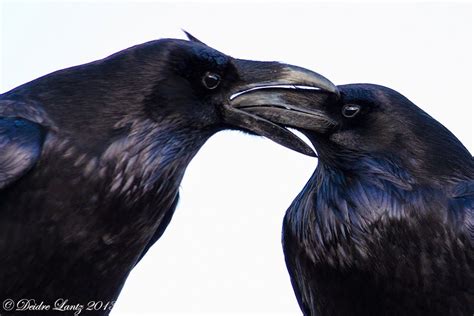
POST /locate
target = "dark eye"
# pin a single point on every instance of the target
(211, 80)
(350, 110)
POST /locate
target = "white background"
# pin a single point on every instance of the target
(221, 254)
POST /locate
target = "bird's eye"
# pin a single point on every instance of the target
(350, 110)
(211, 80)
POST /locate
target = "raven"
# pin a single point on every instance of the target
(385, 225)
(91, 158)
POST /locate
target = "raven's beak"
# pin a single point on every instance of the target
(270, 97)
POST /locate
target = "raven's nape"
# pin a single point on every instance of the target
(271, 98)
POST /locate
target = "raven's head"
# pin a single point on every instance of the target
(210, 90)
(371, 121)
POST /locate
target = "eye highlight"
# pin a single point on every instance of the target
(211, 80)
(350, 110)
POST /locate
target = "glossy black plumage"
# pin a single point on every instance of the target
(385, 225)
(91, 158)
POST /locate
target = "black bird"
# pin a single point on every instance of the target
(91, 158)
(385, 225)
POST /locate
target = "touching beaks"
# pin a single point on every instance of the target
(270, 99)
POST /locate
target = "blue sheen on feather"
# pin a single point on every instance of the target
(20, 147)
(334, 201)
(210, 55)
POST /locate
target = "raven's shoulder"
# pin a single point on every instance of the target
(23, 127)
(27, 110)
